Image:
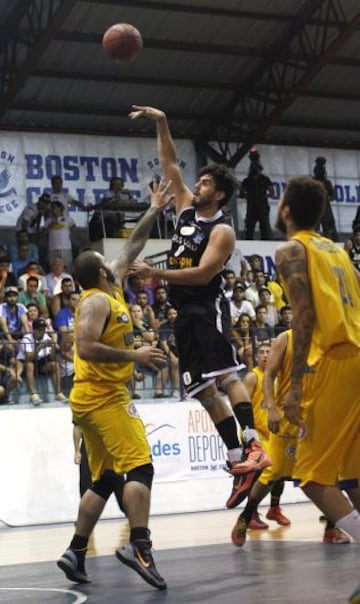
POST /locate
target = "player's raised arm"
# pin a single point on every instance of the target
(167, 154)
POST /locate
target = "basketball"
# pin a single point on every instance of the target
(122, 42)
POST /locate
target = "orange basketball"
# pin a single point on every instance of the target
(122, 42)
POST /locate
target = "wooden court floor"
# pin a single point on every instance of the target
(283, 565)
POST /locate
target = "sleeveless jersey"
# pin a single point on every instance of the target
(354, 255)
(188, 245)
(335, 294)
(95, 382)
(258, 403)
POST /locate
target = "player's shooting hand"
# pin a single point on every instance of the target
(151, 357)
(274, 419)
(149, 112)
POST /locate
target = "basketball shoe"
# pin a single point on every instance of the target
(69, 564)
(335, 536)
(275, 513)
(137, 555)
(256, 523)
(242, 484)
(238, 534)
(254, 459)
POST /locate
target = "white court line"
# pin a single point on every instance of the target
(79, 598)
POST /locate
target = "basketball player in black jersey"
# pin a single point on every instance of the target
(201, 245)
(352, 246)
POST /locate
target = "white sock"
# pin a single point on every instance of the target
(234, 454)
(250, 434)
(350, 524)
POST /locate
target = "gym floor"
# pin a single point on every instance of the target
(282, 565)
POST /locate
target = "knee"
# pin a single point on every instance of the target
(143, 474)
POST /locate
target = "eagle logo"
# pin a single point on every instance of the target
(4, 178)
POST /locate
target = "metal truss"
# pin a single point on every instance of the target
(318, 31)
(19, 53)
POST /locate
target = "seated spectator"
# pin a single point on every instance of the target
(20, 265)
(352, 246)
(55, 277)
(37, 356)
(7, 277)
(239, 305)
(285, 319)
(61, 300)
(277, 293)
(230, 279)
(145, 336)
(263, 332)
(33, 269)
(13, 316)
(32, 294)
(64, 320)
(142, 299)
(168, 344)
(136, 283)
(64, 323)
(59, 226)
(252, 292)
(161, 305)
(8, 375)
(33, 313)
(271, 312)
(241, 336)
(22, 238)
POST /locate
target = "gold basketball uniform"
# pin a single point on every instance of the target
(331, 394)
(282, 446)
(100, 401)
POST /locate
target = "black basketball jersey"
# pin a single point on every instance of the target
(354, 254)
(188, 245)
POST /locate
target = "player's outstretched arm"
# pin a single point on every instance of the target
(160, 198)
(272, 369)
(167, 154)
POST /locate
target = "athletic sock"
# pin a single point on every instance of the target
(350, 524)
(228, 431)
(250, 508)
(139, 533)
(79, 546)
(329, 524)
(244, 414)
(276, 492)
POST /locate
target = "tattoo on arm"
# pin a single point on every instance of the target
(292, 264)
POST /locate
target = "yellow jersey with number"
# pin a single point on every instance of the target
(335, 293)
(95, 383)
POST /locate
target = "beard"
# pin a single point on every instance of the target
(110, 277)
(200, 202)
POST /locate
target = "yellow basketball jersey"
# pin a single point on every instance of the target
(96, 382)
(259, 406)
(335, 293)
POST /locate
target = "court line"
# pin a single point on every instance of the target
(80, 598)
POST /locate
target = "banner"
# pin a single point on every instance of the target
(85, 163)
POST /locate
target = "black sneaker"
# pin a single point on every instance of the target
(142, 562)
(69, 564)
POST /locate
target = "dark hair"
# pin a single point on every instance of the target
(259, 307)
(31, 263)
(37, 323)
(32, 305)
(32, 278)
(356, 228)
(65, 280)
(306, 199)
(86, 269)
(284, 308)
(4, 258)
(224, 180)
(57, 204)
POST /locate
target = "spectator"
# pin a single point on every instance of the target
(33, 270)
(230, 279)
(23, 259)
(112, 219)
(168, 345)
(65, 319)
(7, 277)
(32, 294)
(263, 332)
(241, 335)
(135, 283)
(327, 221)
(277, 293)
(161, 305)
(252, 292)
(8, 375)
(285, 319)
(59, 226)
(13, 316)
(37, 355)
(61, 300)
(239, 305)
(33, 313)
(271, 312)
(59, 195)
(256, 189)
(352, 246)
(22, 238)
(64, 325)
(55, 277)
(142, 299)
(33, 217)
(144, 335)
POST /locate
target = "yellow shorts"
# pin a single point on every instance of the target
(281, 451)
(115, 438)
(331, 410)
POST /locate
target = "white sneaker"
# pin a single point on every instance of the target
(176, 394)
(35, 399)
(61, 397)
